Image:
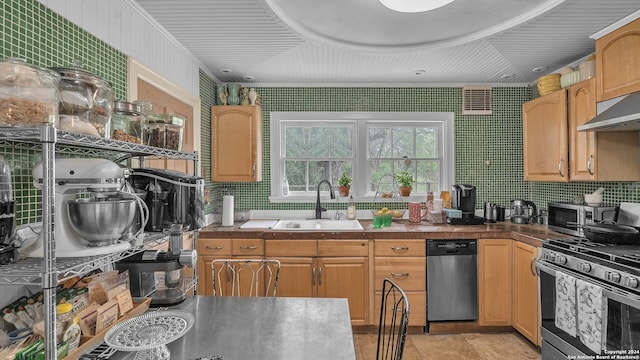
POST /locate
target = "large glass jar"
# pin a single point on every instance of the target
(165, 131)
(128, 123)
(88, 98)
(28, 93)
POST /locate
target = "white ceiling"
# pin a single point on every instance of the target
(360, 42)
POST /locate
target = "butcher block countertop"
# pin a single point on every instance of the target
(403, 229)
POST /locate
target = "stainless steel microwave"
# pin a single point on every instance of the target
(568, 218)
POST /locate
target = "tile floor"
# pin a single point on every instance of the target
(476, 346)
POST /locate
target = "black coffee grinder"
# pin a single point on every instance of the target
(463, 198)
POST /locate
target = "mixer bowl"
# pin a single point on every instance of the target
(101, 222)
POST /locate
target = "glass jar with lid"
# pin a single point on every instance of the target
(165, 131)
(85, 101)
(28, 93)
(128, 123)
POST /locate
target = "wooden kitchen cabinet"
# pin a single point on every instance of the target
(212, 249)
(494, 282)
(602, 155)
(544, 122)
(236, 143)
(618, 62)
(403, 261)
(325, 268)
(525, 295)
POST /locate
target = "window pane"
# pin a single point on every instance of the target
(318, 144)
(381, 170)
(338, 167)
(428, 176)
(427, 143)
(294, 142)
(296, 173)
(340, 139)
(403, 143)
(379, 142)
(318, 170)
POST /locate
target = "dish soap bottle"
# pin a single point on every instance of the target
(285, 187)
(351, 209)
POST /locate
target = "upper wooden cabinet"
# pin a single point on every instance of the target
(544, 122)
(603, 155)
(618, 62)
(237, 143)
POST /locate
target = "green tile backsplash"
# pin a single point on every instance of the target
(31, 31)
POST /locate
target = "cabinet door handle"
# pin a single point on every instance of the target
(218, 247)
(400, 249)
(319, 276)
(313, 276)
(403, 275)
(252, 247)
(532, 266)
(560, 163)
(589, 164)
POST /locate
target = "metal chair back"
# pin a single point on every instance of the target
(394, 321)
(245, 277)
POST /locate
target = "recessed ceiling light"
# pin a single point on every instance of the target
(249, 77)
(226, 71)
(418, 72)
(507, 76)
(540, 69)
(414, 6)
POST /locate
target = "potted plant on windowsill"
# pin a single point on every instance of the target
(405, 181)
(344, 184)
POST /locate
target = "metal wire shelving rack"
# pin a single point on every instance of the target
(49, 271)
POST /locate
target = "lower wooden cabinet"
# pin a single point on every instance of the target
(494, 282)
(526, 298)
(403, 261)
(325, 268)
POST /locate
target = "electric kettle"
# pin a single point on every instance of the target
(523, 211)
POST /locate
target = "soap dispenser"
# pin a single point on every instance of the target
(351, 209)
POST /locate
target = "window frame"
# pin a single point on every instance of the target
(362, 120)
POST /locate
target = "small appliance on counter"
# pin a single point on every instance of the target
(493, 212)
(158, 274)
(173, 197)
(463, 198)
(569, 218)
(523, 211)
(95, 223)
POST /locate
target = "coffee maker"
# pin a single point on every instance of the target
(173, 197)
(159, 274)
(463, 198)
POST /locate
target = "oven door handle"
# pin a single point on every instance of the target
(617, 294)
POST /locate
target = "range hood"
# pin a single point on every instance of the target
(623, 115)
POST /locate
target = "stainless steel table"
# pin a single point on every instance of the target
(242, 328)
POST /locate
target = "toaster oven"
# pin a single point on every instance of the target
(568, 218)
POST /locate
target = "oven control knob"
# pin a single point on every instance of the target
(613, 276)
(585, 267)
(550, 256)
(561, 259)
(631, 282)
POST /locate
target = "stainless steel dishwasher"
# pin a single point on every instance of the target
(452, 280)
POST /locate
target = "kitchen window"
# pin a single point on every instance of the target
(308, 147)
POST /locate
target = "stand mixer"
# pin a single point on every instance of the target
(78, 175)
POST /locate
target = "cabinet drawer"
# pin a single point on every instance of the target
(277, 248)
(417, 307)
(343, 247)
(218, 247)
(402, 247)
(247, 247)
(409, 273)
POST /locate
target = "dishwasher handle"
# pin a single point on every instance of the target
(453, 247)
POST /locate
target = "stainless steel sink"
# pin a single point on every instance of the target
(319, 224)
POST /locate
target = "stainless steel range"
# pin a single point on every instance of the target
(590, 299)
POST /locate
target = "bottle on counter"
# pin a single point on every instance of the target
(430, 200)
(351, 209)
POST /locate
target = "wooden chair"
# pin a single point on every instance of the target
(245, 277)
(394, 320)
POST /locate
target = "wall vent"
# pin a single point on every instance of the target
(476, 100)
